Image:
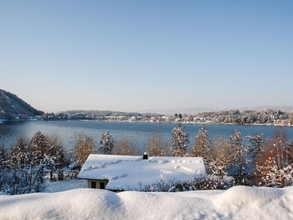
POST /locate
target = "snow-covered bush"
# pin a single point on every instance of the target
(29, 162)
(3, 168)
(209, 182)
(23, 180)
(165, 184)
(273, 166)
(274, 177)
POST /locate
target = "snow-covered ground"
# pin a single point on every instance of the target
(71, 200)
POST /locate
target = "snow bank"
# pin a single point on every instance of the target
(255, 202)
(236, 203)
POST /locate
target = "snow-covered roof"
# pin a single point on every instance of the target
(126, 172)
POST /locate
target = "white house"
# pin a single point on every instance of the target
(118, 173)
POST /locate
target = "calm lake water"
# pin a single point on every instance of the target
(139, 132)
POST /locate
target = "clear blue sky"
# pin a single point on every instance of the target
(138, 55)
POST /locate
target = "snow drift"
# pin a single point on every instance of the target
(236, 203)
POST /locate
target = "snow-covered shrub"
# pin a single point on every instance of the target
(60, 175)
(3, 168)
(273, 166)
(209, 182)
(165, 184)
(274, 177)
(3, 176)
(29, 162)
(21, 181)
(68, 174)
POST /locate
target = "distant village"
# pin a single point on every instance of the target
(247, 117)
(232, 117)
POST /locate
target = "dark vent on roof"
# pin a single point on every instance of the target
(145, 156)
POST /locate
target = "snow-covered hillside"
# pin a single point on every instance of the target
(239, 202)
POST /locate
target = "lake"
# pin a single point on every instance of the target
(139, 132)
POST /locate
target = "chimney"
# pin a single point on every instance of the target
(145, 156)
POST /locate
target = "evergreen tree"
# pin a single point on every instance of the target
(20, 153)
(106, 143)
(39, 147)
(28, 162)
(239, 155)
(269, 172)
(56, 152)
(256, 144)
(30, 159)
(179, 141)
(47, 150)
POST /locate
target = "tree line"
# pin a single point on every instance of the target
(264, 162)
(247, 116)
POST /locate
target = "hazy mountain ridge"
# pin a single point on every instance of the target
(12, 107)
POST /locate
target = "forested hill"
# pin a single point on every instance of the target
(13, 108)
(94, 113)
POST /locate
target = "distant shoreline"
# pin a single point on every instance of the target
(2, 121)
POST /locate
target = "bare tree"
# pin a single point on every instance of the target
(84, 146)
(202, 143)
(269, 169)
(280, 142)
(219, 158)
(124, 146)
(156, 146)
